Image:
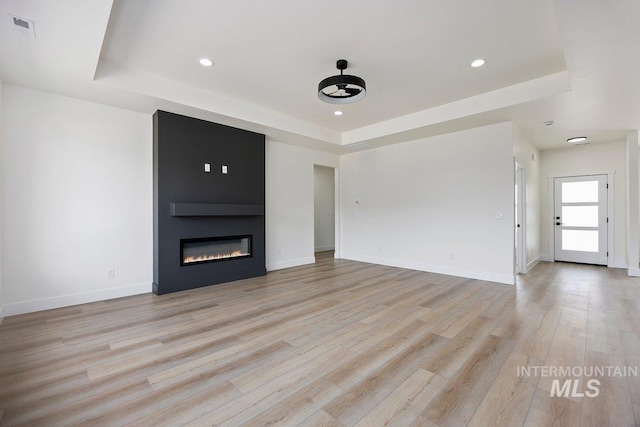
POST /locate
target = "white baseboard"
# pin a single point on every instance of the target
(15, 308)
(614, 264)
(324, 248)
(618, 264)
(290, 263)
(532, 264)
(508, 279)
(2, 315)
(635, 272)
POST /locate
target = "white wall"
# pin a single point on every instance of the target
(632, 155)
(421, 203)
(324, 208)
(77, 201)
(290, 203)
(528, 156)
(635, 198)
(1, 157)
(587, 160)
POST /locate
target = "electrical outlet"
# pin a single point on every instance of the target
(111, 273)
(452, 257)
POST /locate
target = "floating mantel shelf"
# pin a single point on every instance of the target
(215, 209)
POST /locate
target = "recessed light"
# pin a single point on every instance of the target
(337, 113)
(206, 62)
(478, 63)
(576, 139)
(549, 123)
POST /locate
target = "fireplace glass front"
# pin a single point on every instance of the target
(212, 249)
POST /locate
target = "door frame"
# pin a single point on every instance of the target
(601, 255)
(610, 212)
(521, 218)
(337, 252)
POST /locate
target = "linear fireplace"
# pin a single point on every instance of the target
(213, 249)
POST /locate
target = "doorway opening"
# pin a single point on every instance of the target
(324, 224)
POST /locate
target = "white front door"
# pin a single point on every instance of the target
(580, 219)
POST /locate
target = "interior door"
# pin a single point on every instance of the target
(580, 219)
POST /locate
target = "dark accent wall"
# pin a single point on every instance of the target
(191, 203)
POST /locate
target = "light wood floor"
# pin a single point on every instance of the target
(338, 343)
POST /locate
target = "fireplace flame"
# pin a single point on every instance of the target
(212, 257)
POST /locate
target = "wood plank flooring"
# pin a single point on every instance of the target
(338, 343)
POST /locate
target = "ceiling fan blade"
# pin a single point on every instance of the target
(352, 91)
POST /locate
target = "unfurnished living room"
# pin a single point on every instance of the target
(335, 213)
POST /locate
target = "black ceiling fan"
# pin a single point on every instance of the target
(342, 88)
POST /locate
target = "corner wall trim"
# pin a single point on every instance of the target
(290, 263)
(507, 279)
(24, 307)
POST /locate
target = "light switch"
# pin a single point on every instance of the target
(499, 216)
(207, 167)
(224, 169)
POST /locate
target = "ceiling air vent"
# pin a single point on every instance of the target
(25, 27)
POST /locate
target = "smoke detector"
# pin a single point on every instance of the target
(24, 27)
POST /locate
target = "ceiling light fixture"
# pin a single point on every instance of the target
(576, 139)
(337, 113)
(478, 63)
(342, 88)
(549, 123)
(205, 62)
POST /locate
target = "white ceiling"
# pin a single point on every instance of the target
(574, 62)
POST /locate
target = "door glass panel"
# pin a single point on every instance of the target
(580, 216)
(580, 240)
(580, 192)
